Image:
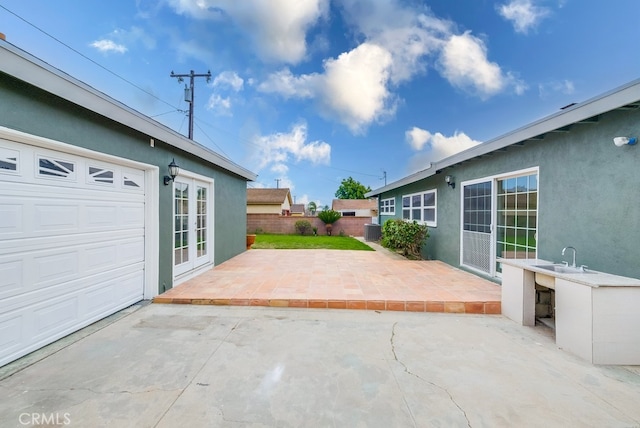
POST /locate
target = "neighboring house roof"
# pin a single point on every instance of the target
(23, 66)
(624, 97)
(354, 204)
(268, 196)
(297, 208)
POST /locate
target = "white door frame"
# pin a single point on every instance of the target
(493, 179)
(179, 278)
(151, 210)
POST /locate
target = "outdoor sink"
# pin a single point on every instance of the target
(563, 269)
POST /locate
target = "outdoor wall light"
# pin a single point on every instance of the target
(449, 180)
(173, 172)
(621, 141)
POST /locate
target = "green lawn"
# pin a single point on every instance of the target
(309, 242)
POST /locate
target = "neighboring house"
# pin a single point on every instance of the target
(357, 208)
(560, 181)
(297, 210)
(269, 201)
(88, 223)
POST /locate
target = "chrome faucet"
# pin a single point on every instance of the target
(574, 254)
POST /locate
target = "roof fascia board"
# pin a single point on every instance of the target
(604, 103)
(23, 66)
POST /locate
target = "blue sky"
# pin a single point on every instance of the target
(310, 92)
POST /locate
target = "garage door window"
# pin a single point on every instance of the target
(100, 175)
(49, 167)
(8, 160)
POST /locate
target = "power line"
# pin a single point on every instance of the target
(213, 142)
(86, 57)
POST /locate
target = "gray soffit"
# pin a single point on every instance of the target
(622, 98)
(23, 66)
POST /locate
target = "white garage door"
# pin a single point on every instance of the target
(72, 248)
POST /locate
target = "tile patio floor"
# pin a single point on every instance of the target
(374, 280)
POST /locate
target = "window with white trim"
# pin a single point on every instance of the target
(420, 207)
(388, 206)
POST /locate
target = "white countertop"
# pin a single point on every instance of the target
(591, 279)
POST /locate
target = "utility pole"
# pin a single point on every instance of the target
(188, 93)
(278, 182)
(384, 176)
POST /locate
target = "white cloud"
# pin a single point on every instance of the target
(435, 147)
(464, 63)
(409, 35)
(228, 79)
(287, 85)
(277, 28)
(352, 89)
(417, 137)
(219, 105)
(107, 46)
(279, 148)
(564, 87)
(523, 14)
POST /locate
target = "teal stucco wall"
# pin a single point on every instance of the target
(589, 194)
(30, 110)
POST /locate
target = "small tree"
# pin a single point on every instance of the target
(329, 217)
(406, 236)
(303, 227)
(351, 189)
(312, 207)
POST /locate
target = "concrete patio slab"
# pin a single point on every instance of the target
(223, 366)
(374, 280)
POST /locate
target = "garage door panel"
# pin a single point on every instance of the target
(28, 217)
(31, 272)
(55, 218)
(54, 316)
(125, 288)
(11, 219)
(45, 322)
(56, 267)
(20, 247)
(11, 333)
(11, 277)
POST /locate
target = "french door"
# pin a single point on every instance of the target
(477, 237)
(192, 225)
(499, 220)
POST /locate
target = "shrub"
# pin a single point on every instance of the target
(303, 227)
(405, 236)
(329, 216)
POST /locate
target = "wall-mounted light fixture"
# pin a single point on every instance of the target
(173, 172)
(449, 180)
(621, 141)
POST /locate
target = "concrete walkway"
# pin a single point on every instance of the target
(223, 366)
(375, 280)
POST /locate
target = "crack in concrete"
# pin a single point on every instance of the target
(93, 391)
(224, 340)
(409, 372)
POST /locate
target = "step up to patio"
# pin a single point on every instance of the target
(338, 280)
(491, 307)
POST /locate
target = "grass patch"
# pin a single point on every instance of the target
(299, 242)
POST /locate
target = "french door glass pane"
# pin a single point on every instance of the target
(516, 211)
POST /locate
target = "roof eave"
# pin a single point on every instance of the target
(611, 100)
(24, 66)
